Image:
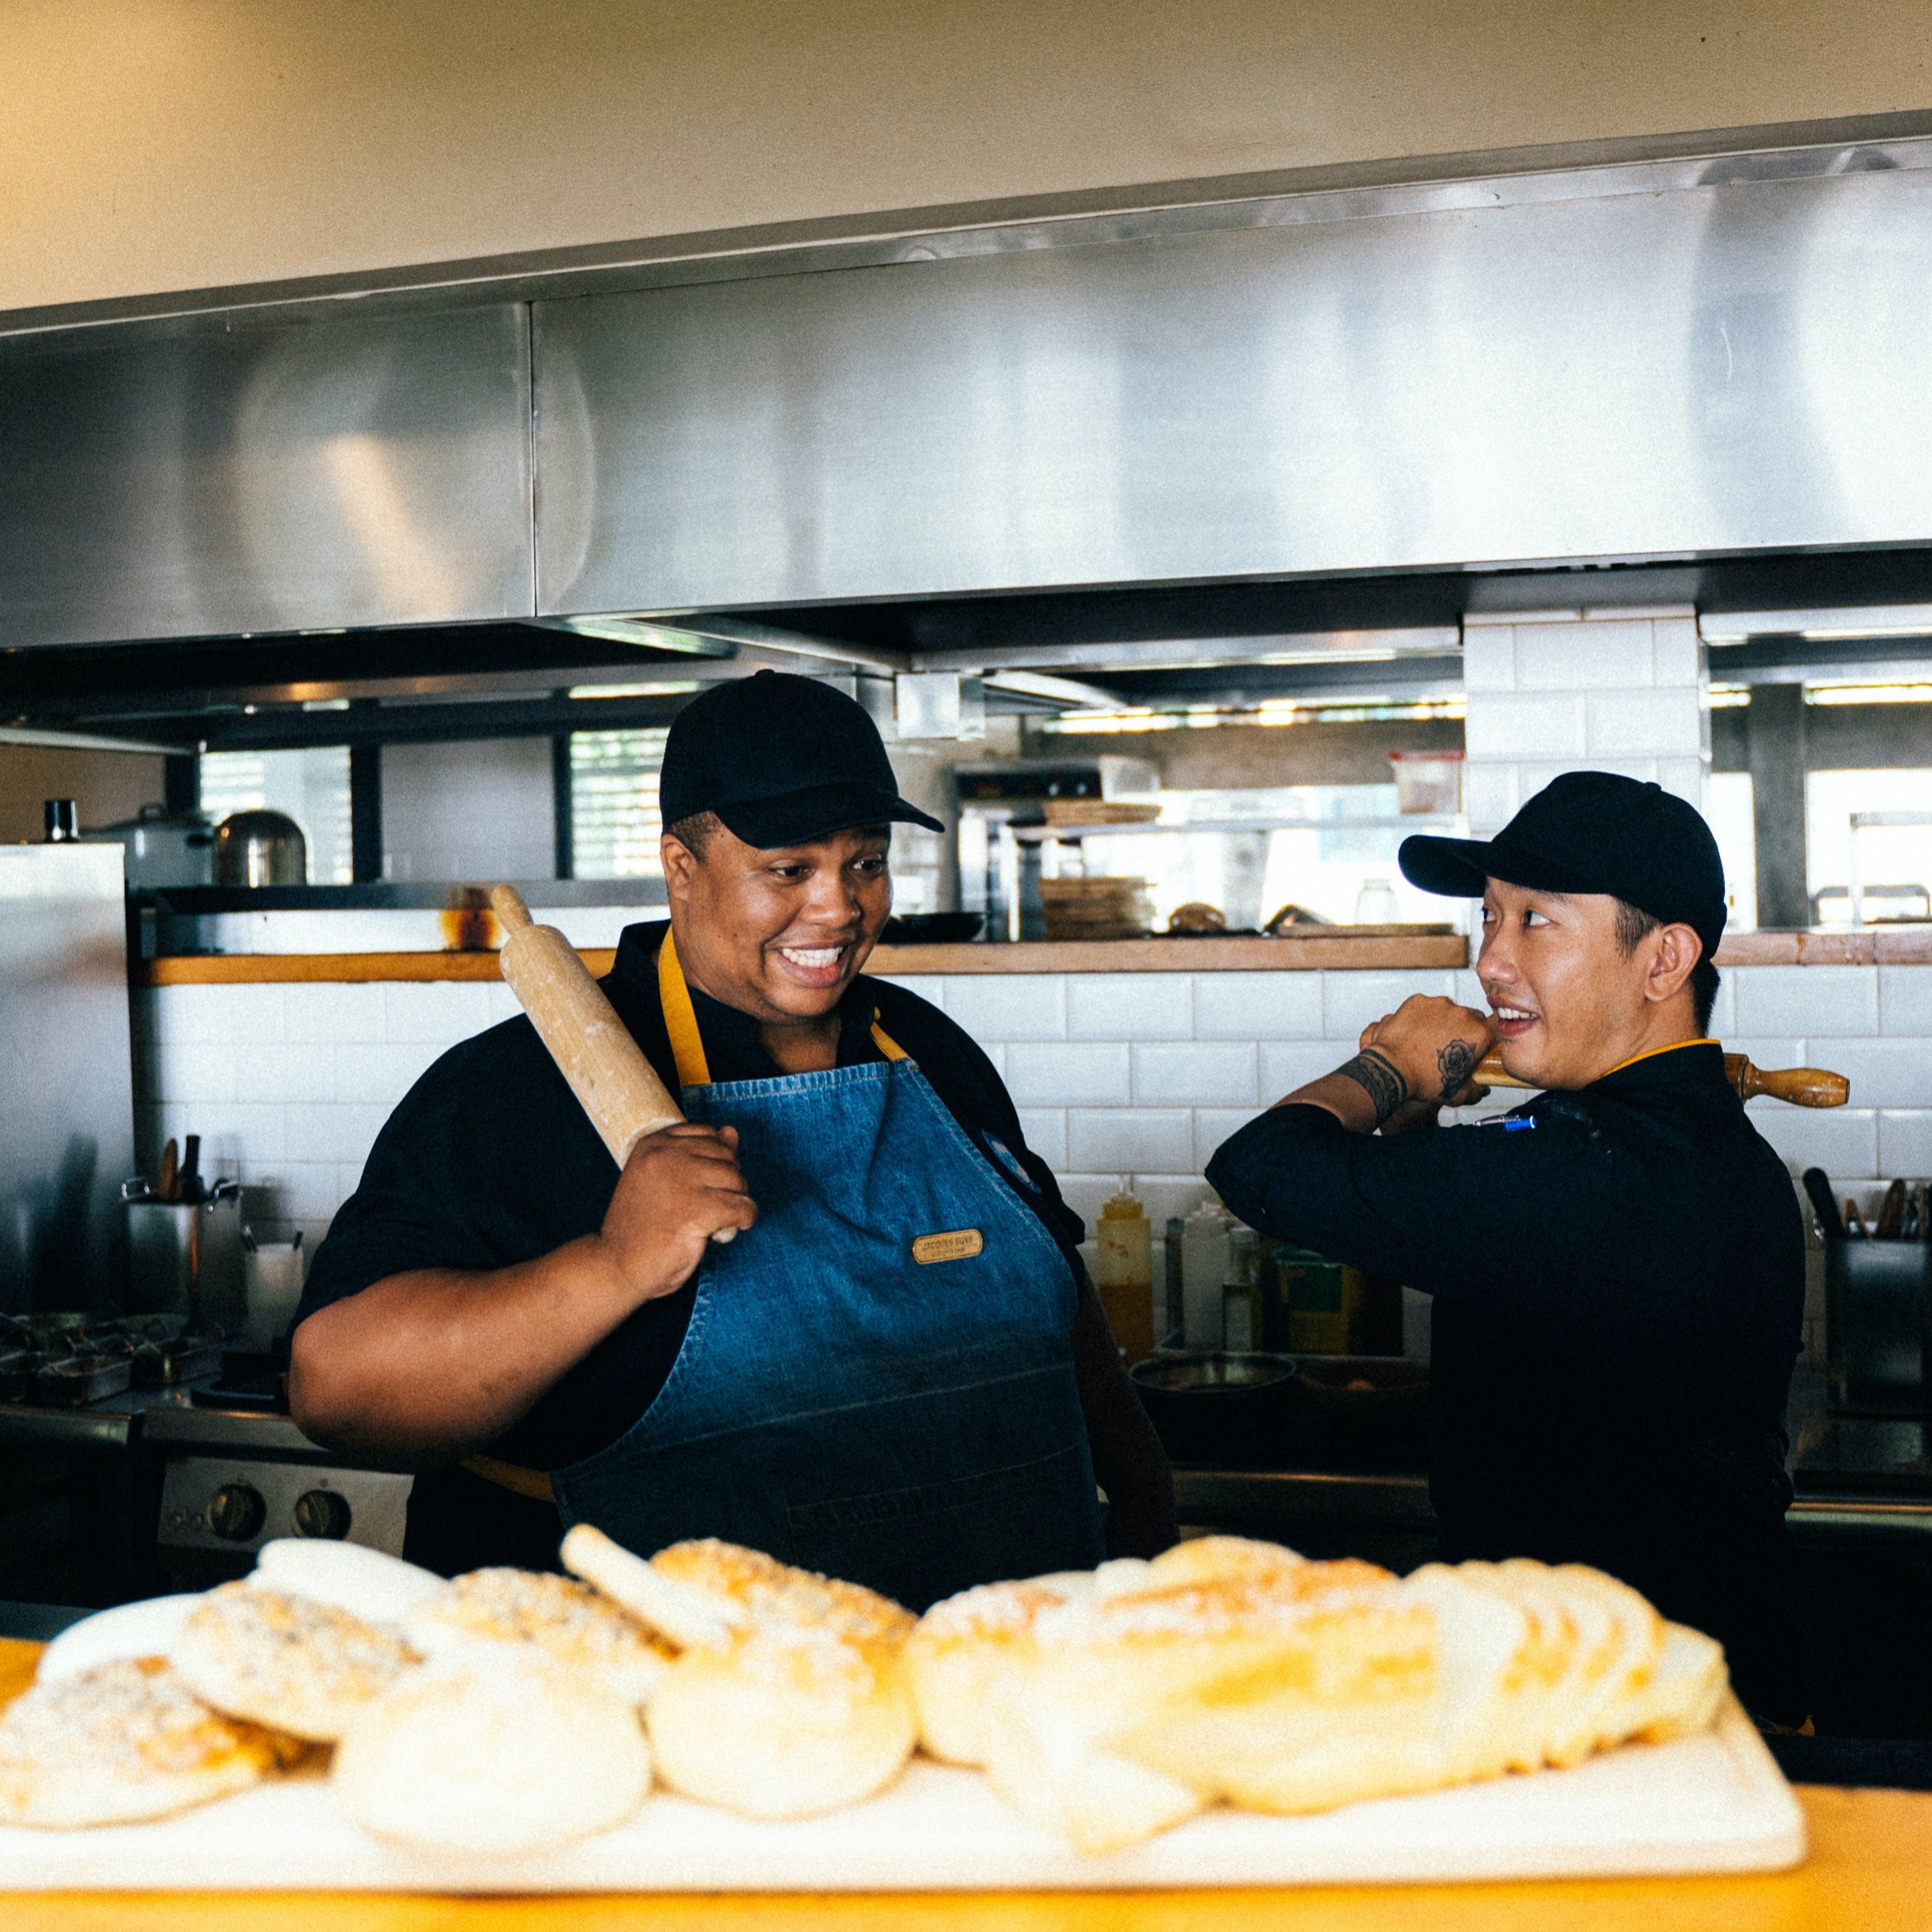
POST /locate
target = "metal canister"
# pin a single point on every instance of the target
(185, 1259)
(260, 848)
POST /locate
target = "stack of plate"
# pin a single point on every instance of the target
(1097, 909)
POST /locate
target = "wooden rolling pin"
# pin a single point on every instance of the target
(617, 1087)
(1803, 1086)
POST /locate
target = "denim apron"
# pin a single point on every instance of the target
(877, 1380)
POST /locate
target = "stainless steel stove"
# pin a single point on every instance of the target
(231, 1480)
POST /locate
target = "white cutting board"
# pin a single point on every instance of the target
(1716, 1803)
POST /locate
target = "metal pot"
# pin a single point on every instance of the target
(260, 848)
(1211, 1407)
(165, 848)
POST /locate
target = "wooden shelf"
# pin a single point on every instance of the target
(1332, 948)
(1327, 948)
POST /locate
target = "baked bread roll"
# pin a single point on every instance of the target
(1547, 1663)
(684, 1613)
(1200, 1559)
(1570, 1723)
(519, 1756)
(1686, 1690)
(572, 1624)
(125, 1742)
(959, 1648)
(1043, 1759)
(1616, 1711)
(1308, 1687)
(368, 1583)
(770, 1595)
(786, 1723)
(1495, 1681)
(301, 1666)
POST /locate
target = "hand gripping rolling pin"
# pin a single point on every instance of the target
(617, 1086)
(1803, 1086)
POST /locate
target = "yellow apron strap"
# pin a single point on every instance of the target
(533, 1483)
(687, 1047)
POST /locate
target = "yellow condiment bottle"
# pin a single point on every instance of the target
(1122, 1272)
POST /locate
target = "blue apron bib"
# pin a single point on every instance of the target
(877, 1380)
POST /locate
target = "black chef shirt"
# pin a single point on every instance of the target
(1619, 1284)
(490, 1160)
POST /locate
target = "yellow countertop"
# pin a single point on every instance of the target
(1870, 1871)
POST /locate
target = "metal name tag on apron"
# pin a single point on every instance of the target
(877, 1380)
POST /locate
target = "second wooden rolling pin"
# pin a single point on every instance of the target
(617, 1087)
(1803, 1086)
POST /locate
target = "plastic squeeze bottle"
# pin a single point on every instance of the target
(1203, 1271)
(1122, 1272)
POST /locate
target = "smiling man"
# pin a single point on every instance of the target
(1618, 1266)
(895, 1370)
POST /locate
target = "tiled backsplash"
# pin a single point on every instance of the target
(1121, 1079)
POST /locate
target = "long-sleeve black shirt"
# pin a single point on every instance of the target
(1619, 1284)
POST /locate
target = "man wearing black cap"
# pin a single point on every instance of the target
(893, 1368)
(1618, 1267)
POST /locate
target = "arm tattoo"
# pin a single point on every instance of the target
(1455, 1063)
(1377, 1077)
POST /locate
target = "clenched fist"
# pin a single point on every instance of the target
(1432, 1046)
(680, 1187)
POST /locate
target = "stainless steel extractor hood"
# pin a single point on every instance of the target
(1613, 361)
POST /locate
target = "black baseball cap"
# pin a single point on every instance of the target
(781, 760)
(1590, 831)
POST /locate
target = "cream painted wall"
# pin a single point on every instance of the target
(150, 145)
(109, 786)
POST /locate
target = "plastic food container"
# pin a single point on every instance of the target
(1428, 782)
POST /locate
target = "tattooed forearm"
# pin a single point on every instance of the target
(1455, 1063)
(1377, 1077)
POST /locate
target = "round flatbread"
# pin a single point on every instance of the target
(508, 1759)
(301, 1666)
(144, 1629)
(368, 1583)
(125, 1742)
(785, 1723)
(567, 1621)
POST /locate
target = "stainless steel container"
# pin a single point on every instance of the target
(187, 1259)
(260, 848)
(1878, 1326)
(164, 849)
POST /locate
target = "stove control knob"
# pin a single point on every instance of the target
(236, 1511)
(321, 1512)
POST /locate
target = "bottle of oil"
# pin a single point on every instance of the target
(1123, 1273)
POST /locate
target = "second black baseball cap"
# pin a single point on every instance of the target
(1591, 832)
(781, 760)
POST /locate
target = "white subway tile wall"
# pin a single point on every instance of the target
(1122, 1080)
(1617, 690)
